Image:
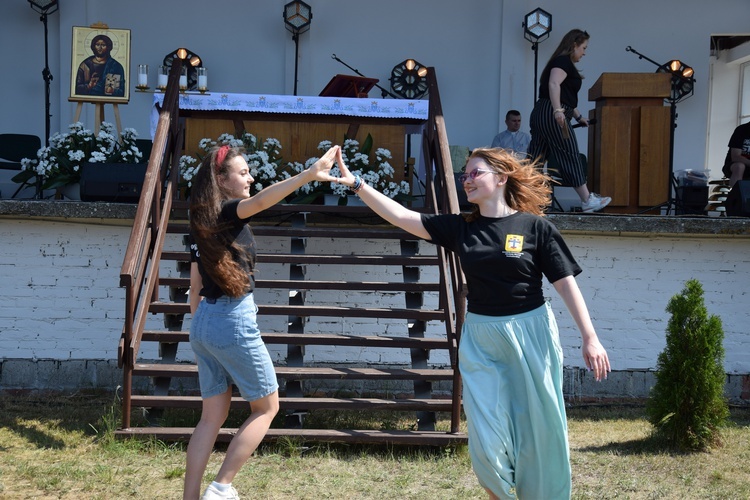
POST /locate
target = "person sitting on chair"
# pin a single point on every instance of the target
(738, 157)
(513, 139)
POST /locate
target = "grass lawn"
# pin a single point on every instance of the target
(63, 447)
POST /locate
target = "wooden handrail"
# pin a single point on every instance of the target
(148, 233)
(437, 158)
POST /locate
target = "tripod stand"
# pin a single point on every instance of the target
(682, 85)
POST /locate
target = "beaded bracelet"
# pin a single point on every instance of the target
(358, 183)
(560, 110)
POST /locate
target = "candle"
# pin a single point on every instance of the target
(142, 76)
(163, 77)
(183, 78)
(202, 79)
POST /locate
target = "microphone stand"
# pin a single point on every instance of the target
(641, 56)
(383, 91)
(672, 201)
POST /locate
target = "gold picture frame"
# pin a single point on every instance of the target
(100, 70)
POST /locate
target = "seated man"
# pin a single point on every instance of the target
(512, 139)
(737, 162)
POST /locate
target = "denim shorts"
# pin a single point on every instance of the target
(228, 349)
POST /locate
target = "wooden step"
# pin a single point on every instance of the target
(327, 311)
(408, 438)
(375, 341)
(364, 286)
(300, 259)
(305, 373)
(336, 232)
(444, 405)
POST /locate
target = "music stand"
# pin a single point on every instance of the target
(349, 86)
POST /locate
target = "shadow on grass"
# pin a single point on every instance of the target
(33, 417)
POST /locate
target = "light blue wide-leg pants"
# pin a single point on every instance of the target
(511, 368)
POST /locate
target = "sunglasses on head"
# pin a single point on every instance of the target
(474, 174)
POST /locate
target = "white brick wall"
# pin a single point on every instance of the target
(61, 300)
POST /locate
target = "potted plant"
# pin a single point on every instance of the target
(59, 165)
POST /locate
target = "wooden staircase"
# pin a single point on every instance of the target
(429, 389)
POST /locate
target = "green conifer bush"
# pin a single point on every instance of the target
(687, 404)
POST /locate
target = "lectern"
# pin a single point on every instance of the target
(629, 144)
(349, 86)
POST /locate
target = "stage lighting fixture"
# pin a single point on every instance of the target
(409, 79)
(682, 79)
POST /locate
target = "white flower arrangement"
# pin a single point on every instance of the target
(266, 167)
(264, 162)
(378, 173)
(60, 164)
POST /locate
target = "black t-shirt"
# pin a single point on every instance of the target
(504, 258)
(242, 235)
(740, 140)
(569, 87)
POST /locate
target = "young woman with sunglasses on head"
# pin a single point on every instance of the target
(224, 333)
(510, 356)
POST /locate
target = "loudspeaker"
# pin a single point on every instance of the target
(116, 182)
(691, 200)
(738, 199)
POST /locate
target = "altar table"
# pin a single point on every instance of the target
(300, 123)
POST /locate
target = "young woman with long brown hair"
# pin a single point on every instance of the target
(224, 334)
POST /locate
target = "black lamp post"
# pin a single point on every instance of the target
(45, 8)
(297, 17)
(537, 26)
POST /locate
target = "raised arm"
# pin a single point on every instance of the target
(391, 210)
(594, 355)
(271, 195)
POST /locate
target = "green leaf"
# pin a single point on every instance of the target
(24, 176)
(367, 145)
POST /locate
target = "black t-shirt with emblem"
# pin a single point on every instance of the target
(242, 235)
(504, 259)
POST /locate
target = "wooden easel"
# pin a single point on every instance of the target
(99, 116)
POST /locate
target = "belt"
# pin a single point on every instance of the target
(212, 300)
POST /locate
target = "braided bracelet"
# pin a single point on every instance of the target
(358, 183)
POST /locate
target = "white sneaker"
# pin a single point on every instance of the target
(213, 493)
(595, 203)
